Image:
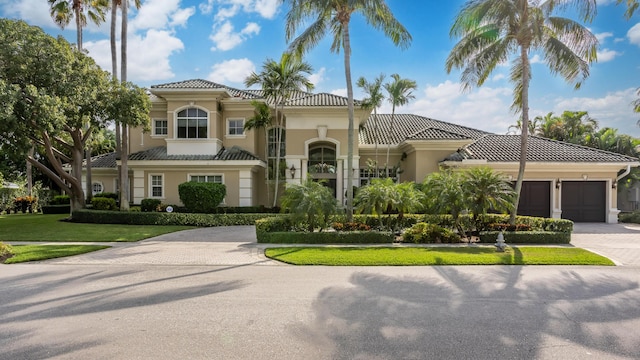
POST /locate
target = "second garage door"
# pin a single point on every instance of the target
(584, 201)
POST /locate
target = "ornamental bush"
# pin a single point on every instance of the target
(109, 195)
(527, 237)
(149, 205)
(60, 200)
(103, 203)
(5, 252)
(201, 197)
(164, 218)
(424, 233)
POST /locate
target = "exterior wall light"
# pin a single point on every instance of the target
(558, 183)
(292, 170)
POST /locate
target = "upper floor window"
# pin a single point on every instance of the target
(160, 127)
(235, 127)
(207, 178)
(192, 124)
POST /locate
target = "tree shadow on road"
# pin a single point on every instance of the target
(475, 312)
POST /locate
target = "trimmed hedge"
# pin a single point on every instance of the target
(109, 195)
(56, 209)
(527, 237)
(159, 218)
(632, 217)
(60, 200)
(148, 205)
(333, 237)
(201, 197)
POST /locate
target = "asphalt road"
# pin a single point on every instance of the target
(207, 294)
(75, 311)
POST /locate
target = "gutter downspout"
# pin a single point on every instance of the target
(625, 173)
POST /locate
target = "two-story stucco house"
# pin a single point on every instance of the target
(197, 134)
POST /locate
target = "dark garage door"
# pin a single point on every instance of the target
(535, 199)
(584, 201)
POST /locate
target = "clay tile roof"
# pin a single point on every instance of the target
(160, 153)
(506, 148)
(103, 161)
(206, 84)
(413, 127)
(321, 99)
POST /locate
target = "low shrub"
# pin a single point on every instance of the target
(103, 203)
(60, 200)
(508, 227)
(163, 218)
(201, 197)
(632, 217)
(350, 226)
(527, 237)
(333, 237)
(5, 252)
(56, 209)
(148, 205)
(425, 233)
(109, 195)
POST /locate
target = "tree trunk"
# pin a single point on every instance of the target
(525, 131)
(386, 165)
(114, 74)
(124, 148)
(30, 172)
(350, 137)
(375, 137)
(89, 183)
(278, 136)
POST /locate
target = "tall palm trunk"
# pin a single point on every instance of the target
(525, 131)
(114, 74)
(375, 137)
(386, 165)
(347, 72)
(278, 139)
(124, 155)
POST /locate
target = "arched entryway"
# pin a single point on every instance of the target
(323, 164)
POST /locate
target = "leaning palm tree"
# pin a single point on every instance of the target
(374, 100)
(62, 12)
(490, 30)
(400, 92)
(279, 80)
(261, 119)
(334, 16)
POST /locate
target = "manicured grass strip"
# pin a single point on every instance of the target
(372, 256)
(38, 227)
(24, 253)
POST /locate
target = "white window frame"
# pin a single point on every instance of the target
(229, 134)
(93, 190)
(151, 187)
(155, 128)
(177, 118)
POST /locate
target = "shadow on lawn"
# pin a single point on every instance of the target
(477, 312)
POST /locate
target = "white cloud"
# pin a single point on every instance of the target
(159, 14)
(603, 36)
(536, 59)
(224, 38)
(148, 55)
(235, 71)
(339, 92)
(318, 77)
(498, 77)
(634, 34)
(605, 55)
(206, 8)
(611, 110)
(35, 12)
(180, 17)
(226, 9)
(485, 108)
(267, 8)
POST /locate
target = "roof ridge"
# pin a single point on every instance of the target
(570, 144)
(436, 129)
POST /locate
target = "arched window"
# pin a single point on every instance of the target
(96, 188)
(272, 156)
(322, 159)
(192, 124)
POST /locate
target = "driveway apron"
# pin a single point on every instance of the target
(618, 242)
(225, 245)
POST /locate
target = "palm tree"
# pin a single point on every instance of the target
(486, 190)
(400, 92)
(444, 195)
(408, 199)
(374, 100)
(632, 6)
(261, 119)
(636, 105)
(122, 141)
(334, 16)
(311, 200)
(492, 29)
(375, 198)
(62, 11)
(278, 81)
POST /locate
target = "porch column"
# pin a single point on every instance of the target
(138, 186)
(246, 188)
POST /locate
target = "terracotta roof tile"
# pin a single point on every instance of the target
(160, 153)
(506, 148)
(206, 84)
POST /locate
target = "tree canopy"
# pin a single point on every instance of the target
(56, 96)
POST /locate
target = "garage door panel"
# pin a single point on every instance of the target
(584, 201)
(535, 198)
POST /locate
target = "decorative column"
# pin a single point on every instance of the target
(138, 186)
(246, 188)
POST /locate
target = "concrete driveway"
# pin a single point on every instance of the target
(618, 242)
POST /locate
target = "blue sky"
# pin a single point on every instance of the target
(224, 40)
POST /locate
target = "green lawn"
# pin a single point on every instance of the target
(38, 227)
(350, 256)
(24, 253)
